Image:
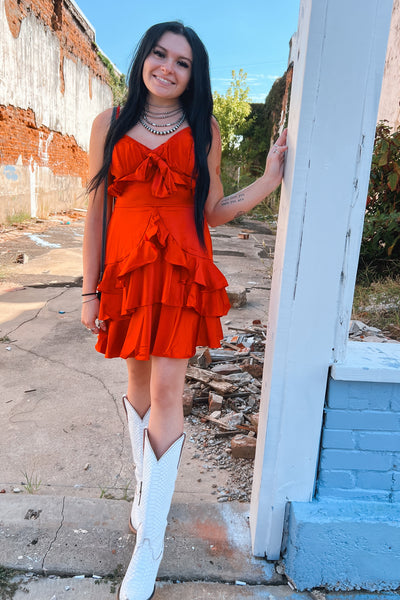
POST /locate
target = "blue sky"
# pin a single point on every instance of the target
(250, 35)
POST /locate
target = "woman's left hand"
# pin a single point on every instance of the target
(276, 159)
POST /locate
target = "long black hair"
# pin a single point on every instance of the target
(196, 101)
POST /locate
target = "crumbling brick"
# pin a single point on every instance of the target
(243, 446)
(214, 402)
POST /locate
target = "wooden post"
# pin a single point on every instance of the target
(339, 61)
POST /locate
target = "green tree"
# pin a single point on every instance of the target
(380, 247)
(116, 80)
(263, 124)
(231, 111)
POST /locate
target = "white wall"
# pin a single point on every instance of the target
(30, 78)
(389, 107)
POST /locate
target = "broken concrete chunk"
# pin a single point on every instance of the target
(226, 369)
(215, 415)
(240, 379)
(201, 359)
(253, 367)
(360, 328)
(237, 296)
(215, 401)
(243, 446)
(213, 380)
(232, 419)
(187, 399)
(254, 418)
(223, 355)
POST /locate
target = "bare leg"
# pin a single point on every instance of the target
(166, 387)
(139, 376)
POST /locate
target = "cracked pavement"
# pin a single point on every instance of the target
(67, 471)
(62, 421)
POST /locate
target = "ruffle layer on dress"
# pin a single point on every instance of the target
(161, 299)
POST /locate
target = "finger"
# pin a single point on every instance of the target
(101, 325)
(282, 138)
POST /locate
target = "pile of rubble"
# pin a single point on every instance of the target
(222, 398)
(360, 332)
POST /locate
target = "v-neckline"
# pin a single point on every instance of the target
(160, 145)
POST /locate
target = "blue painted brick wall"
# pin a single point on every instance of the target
(360, 444)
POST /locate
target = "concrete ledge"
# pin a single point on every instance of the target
(343, 545)
(369, 362)
(75, 536)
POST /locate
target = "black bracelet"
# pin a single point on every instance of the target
(90, 294)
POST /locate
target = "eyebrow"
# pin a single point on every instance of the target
(166, 50)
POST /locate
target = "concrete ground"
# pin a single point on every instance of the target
(66, 589)
(66, 472)
(62, 419)
(65, 469)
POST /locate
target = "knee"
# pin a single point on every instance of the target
(166, 396)
(139, 372)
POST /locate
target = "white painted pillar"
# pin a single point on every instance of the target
(339, 63)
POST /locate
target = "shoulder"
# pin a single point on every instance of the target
(215, 137)
(215, 127)
(102, 122)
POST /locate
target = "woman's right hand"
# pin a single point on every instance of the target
(90, 312)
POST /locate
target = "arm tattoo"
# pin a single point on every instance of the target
(233, 199)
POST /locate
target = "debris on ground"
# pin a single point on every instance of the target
(222, 401)
(360, 332)
(223, 388)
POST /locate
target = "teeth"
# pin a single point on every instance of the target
(163, 80)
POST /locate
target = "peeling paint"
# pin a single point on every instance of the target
(10, 172)
(44, 144)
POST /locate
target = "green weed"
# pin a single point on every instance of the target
(32, 482)
(378, 305)
(17, 218)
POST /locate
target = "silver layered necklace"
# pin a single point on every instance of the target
(149, 120)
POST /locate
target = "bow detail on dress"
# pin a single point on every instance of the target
(153, 168)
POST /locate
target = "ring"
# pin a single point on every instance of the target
(275, 151)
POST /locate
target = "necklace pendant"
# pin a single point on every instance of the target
(144, 121)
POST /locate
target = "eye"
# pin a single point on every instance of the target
(158, 53)
(184, 64)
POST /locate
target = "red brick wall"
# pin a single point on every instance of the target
(19, 132)
(74, 43)
(20, 136)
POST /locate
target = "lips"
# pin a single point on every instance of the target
(163, 81)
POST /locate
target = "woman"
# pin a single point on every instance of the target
(161, 294)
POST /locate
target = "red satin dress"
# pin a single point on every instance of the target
(161, 293)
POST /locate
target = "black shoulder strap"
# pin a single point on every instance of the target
(105, 203)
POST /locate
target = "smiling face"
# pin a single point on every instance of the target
(167, 69)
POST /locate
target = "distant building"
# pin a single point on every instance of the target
(52, 84)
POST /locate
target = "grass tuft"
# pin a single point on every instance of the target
(378, 305)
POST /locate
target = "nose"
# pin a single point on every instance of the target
(167, 66)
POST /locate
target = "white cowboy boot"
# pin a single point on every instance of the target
(136, 427)
(159, 478)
